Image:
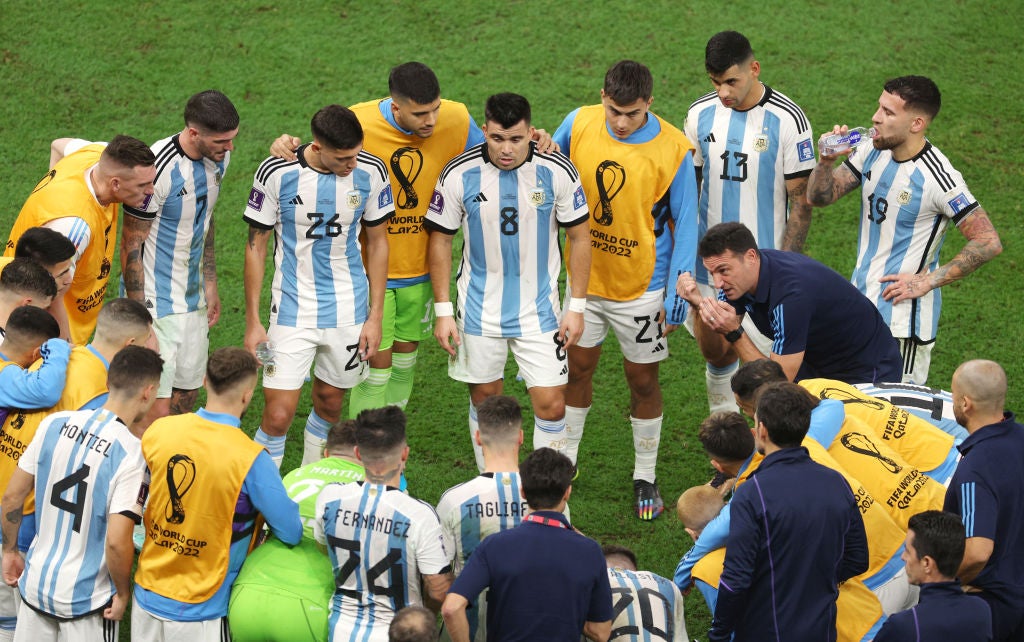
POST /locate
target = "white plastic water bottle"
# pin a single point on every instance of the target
(265, 353)
(841, 143)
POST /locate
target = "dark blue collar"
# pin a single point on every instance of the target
(990, 431)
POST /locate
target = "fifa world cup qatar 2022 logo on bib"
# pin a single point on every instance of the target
(181, 474)
(611, 177)
(406, 164)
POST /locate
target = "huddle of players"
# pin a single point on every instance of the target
(507, 195)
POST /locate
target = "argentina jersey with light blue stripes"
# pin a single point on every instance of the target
(181, 211)
(746, 157)
(87, 466)
(646, 607)
(906, 208)
(319, 278)
(380, 541)
(508, 276)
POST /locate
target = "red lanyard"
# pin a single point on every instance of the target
(546, 521)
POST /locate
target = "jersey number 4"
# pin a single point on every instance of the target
(76, 481)
(390, 564)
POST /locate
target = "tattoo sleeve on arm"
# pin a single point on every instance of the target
(983, 245)
(209, 256)
(826, 186)
(133, 236)
(799, 216)
(256, 236)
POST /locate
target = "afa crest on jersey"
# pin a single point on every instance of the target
(354, 199)
(537, 197)
(903, 198)
(760, 143)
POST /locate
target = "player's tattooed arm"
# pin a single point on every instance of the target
(255, 266)
(982, 245)
(133, 235)
(210, 279)
(827, 185)
(799, 215)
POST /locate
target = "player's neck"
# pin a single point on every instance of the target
(188, 146)
(909, 148)
(501, 462)
(126, 410)
(312, 159)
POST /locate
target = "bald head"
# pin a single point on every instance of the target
(982, 385)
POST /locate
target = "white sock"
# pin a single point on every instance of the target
(315, 437)
(646, 437)
(720, 397)
(549, 434)
(478, 452)
(574, 420)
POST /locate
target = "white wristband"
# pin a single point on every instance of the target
(444, 309)
(577, 305)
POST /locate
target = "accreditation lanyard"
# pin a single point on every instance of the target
(544, 521)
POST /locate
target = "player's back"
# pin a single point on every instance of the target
(87, 465)
(646, 607)
(471, 511)
(379, 541)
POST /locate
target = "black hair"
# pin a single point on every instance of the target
(939, 535)
(726, 437)
(784, 409)
(337, 127)
(725, 49)
(628, 81)
(733, 237)
(414, 81)
(507, 110)
(545, 474)
(918, 93)
(211, 111)
(25, 277)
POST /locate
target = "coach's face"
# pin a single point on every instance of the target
(732, 273)
(916, 569)
(508, 147)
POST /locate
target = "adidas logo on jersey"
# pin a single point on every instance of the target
(480, 198)
(710, 138)
(565, 370)
(296, 201)
(658, 347)
(183, 192)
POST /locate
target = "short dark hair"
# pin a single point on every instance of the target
(25, 277)
(122, 318)
(733, 237)
(211, 111)
(545, 474)
(628, 81)
(229, 366)
(414, 81)
(785, 410)
(128, 152)
(28, 324)
(380, 433)
(507, 110)
(413, 624)
(918, 92)
(337, 126)
(754, 374)
(939, 535)
(44, 246)
(611, 550)
(132, 368)
(725, 49)
(342, 435)
(500, 419)
(726, 437)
